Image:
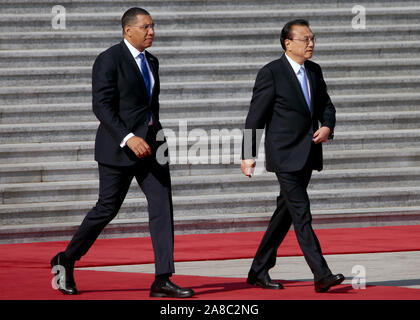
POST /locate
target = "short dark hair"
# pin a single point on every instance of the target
(131, 15)
(285, 32)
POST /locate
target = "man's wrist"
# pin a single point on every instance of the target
(248, 161)
(127, 137)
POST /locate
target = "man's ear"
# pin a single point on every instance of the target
(127, 31)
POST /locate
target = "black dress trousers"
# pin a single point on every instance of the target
(114, 182)
(293, 206)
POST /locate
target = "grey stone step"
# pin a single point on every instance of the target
(85, 131)
(65, 170)
(212, 54)
(333, 218)
(365, 178)
(231, 107)
(210, 72)
(23, 76)
(348, 85)
(215, 184)
(208, 205)
(248, 71)
(123, 228)
(373, 139)
(44, 76)
(385, 102)
(404, 157)
(207, 89)
(354, 141)
(44, 113)
(48, 171)
(82, 131)
(337, 50)
(212, 36)
(180, 142)
(76, 112)
(361, 85)
(46, 152)
(221, 18)
(369, 67)
(377, 120)
(36, 133)
(79, 6)
(46, 94)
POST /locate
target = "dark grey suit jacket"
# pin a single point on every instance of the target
(278, 105)
(120, 102)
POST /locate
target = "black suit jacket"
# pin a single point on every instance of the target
(279, 106)
(120, 102)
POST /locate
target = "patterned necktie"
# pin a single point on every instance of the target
(145, 73)
(304, 85)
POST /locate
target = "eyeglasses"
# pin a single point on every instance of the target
(307, 40)
(146, 27)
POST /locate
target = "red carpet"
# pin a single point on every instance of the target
(219, 246)
(25, 271)
(28, 284)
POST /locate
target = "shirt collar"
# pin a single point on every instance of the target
(134, 52)
(296, 66)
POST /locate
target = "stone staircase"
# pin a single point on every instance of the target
(210, 52)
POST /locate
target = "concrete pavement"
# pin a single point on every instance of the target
(400, 269)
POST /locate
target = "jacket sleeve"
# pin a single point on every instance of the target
(327, 114)
(259, 111)
(156, 89)
(105, 96)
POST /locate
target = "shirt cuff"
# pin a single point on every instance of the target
(128, 136)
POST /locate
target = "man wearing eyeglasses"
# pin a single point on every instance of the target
(291, 102)
(125, 91)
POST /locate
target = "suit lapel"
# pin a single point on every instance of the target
(311, 77)
(296, 85)
(128, 57)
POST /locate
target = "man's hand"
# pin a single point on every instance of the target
(321, 135)
(139, 146)
(247, 167)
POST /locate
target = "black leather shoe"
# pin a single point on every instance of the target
(265, 282)
(162, 288)
(325, 284)
(65, 281)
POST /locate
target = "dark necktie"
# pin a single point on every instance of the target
(145, 73)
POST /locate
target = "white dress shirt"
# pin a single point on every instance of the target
(135, 53)
(296, 67)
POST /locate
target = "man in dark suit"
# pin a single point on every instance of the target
(289, 100)
(125, 89)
